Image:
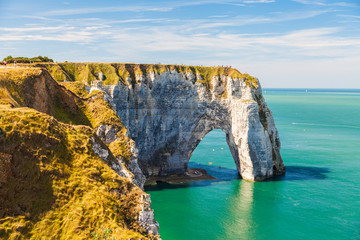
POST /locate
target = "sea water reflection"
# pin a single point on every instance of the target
(240, 223)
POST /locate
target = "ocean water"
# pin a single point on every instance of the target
(318, 198)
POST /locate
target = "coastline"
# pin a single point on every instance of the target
(191, 174)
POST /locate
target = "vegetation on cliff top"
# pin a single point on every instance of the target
(100, 112)
(11, 84)
(17, 88)
(52, 184)
(113, 73)
(32, 87)
(10, 59)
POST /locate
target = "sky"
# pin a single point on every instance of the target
(285, 43)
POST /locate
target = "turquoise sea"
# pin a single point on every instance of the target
(318, 198)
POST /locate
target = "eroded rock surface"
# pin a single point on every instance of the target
(146, 216)
(168, 114)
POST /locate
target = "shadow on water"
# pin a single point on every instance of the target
(221, 174)
(293, 173)
(300, 173)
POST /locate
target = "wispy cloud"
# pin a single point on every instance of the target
(81, 37)
(35, 29)
(323, 3)
(78, 34)
(318, 42)
(79, 11)
(195, 35)
(281, 37)
(204, 26)
(219, 16)
(349, 18)
(164, 7)
(241, 20)
(141, 20)
(259, 1)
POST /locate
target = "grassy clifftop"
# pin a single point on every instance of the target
(119, 72)
(34, 87)
(52, 184)
(11, 84)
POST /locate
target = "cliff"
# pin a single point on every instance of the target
(75, 152)
(59, 177)
(168, 109)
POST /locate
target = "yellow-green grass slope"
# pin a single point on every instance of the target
(52, 184)
(99, 112)
(119, 72)
(35, 88)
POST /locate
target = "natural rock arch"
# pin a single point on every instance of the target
(168, 114)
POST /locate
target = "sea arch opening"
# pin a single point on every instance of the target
(213, 155)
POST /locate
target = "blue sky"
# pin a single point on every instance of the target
(285, 43)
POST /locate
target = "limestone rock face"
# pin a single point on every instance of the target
(146, 216)
(133, 172)
(168, 114)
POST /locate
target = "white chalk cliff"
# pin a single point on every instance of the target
(168, 114)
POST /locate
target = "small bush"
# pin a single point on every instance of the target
(10, 59)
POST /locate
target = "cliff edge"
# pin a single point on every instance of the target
(76, 151)
(59, 177)
(168, 109)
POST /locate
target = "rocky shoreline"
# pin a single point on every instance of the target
(191, 174)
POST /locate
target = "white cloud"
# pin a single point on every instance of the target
(219, 16)
(178, 36)
(241, 20)
(97, 27)
(34, 29)
(79, 34)
(349, 16)
(80, 37)
(165, 7)
(141, 20)
(234, 32)
(323, 3)
(79, 11)
(307, 43)
(259, 1)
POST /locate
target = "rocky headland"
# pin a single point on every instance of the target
(79, 140)
(60, 177)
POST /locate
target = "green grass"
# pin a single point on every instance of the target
(60, 188)
(119, 72)
(78, 88)
(100, 112)
(12, 80)
(79, 108)
(32, 87)
(250, 80)
(54, 186)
